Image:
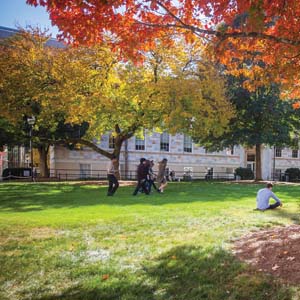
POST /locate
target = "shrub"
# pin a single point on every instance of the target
(293, 174)
(244, 173)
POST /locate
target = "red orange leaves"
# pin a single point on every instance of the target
(268, 31)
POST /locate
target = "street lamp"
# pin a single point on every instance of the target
(274, 163)
(31, 122)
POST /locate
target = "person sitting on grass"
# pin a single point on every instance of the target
(263, 198)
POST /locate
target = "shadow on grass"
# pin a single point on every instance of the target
(293, 216)
(34, 197)
(184, 273)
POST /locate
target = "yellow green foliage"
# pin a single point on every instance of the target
(174, 89)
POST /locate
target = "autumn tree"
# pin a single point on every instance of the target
(172, 89)
(45, 82)
(9, 134)
(262, 30)
(175, 90)
(262, 118)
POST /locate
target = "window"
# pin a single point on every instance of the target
(210, 173)
(111, 142)
(278, 152)
(187, 144)
(230, 151)
(164, 142)
(85, 171)
(140, 143)
(295, 153)
(277, 174)
(230, 170)
(250, 157)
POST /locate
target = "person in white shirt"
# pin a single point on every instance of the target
(112, 172)
(263, 198)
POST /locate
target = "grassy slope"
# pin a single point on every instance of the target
(61, 241)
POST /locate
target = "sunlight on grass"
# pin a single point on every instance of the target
(65, 241)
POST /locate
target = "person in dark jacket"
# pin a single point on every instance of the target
(142, 177)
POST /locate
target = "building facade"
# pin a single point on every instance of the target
(184, 158)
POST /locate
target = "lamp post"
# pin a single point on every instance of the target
(31, 122)
(274, 163)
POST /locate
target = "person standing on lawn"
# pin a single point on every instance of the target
(151, 176)
(263, 198)
(112, 176)
(161, 175)
(142, 177)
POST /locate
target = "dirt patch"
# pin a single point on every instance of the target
(274, 251)
(42, 233)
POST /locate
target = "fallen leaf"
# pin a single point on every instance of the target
(105, 277)
(290, 258)
(275, 267)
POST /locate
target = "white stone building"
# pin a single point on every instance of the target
(184, 157)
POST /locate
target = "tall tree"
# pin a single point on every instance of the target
(261, 119)
(48, 83)
(174, 89)
(261, 29)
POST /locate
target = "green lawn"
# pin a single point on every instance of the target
(66, 241)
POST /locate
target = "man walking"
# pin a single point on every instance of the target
(263, 198)
(112, 176)
(142, 176)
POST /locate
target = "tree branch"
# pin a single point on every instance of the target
(223, 35)
(85, 143)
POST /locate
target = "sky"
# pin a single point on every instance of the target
(16, 13)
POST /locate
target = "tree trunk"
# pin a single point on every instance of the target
(258, 173)
(117, 152)
(43, 154)
(119, 139)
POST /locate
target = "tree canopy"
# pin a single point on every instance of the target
(262, 30)
(262, 118)
(172, 89)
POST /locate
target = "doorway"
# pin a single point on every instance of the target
(251, 162)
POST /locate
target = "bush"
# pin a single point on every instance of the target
(15, 173)
(293, 174)
(244, 173)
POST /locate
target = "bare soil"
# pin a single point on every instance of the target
(274, 251)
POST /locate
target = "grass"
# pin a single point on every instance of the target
(66, 241)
